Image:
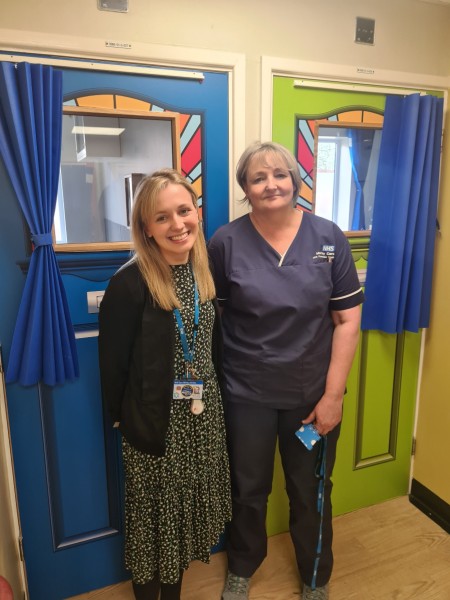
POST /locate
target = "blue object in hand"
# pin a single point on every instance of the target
(308, 435)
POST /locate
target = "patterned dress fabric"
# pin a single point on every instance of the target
(176, 506)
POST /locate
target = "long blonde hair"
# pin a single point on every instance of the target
(155, 270)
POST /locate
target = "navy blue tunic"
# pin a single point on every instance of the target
(276, 320)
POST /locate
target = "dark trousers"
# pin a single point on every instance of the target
(252, 435)
(153, 588)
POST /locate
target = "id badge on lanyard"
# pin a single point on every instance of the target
(190, 387)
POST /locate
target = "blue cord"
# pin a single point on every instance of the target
(321, 475)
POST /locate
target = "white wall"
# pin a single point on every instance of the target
(410, 35)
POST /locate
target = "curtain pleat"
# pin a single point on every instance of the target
(360, 158)
(43, 347)
(401, 253)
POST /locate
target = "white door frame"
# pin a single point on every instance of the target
(272, 66)
(75, 47)
(12, 565)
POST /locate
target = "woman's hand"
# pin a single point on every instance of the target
(326, 414)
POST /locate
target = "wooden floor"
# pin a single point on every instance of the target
(388, 551)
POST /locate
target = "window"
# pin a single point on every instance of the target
(104, 152)
(346, 164)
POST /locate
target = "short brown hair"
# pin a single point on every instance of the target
(264, 148)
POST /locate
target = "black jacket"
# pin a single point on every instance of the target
(136, 353)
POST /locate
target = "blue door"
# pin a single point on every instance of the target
(66, 455)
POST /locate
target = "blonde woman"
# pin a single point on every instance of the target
(159, 347)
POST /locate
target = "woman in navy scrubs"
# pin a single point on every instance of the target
(290, 296)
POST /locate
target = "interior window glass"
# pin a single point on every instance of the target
(345, 175)
(104, 156)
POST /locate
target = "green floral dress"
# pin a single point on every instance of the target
(176, 506)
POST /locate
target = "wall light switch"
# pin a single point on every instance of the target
(93, 301)
(365, 31)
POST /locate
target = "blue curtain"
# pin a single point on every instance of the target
(359, 169)
(360, 152)
(399, 270)
(43, 345)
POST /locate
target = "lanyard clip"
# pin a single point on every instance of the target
(190, 372)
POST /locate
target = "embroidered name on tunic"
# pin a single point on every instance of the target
(326, 254)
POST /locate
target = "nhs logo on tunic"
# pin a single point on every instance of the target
(327, 248)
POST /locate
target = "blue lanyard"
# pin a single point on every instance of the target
(321, 469)
(188, 352)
